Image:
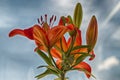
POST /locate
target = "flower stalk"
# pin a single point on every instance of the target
(50, 56)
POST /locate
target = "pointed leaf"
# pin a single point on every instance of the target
(45, 57)
(50, 70)
(47, 72)
(81, 58)
(70, 19)
(41, 66)
(78, 15)
(81, 46)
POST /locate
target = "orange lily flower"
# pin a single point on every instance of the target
(44, 36)
(65, 45)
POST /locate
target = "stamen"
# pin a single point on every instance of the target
(42, 23)
(41, 19)
(51, 20)
(38, 20)
(54, 20)
(46, 18)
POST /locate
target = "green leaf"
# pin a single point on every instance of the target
(82, 46)
(70, 18)
(47, 72)
(43, 74)
(81, 58)
(77, 18)
(45, 57)
(41, 66)
(54, 69)
(63, 19)
(83, 53)
(71, 33)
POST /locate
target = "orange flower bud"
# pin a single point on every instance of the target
(92, 33)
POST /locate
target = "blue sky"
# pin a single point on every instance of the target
(18, 61)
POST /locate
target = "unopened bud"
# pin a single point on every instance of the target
(92, 33)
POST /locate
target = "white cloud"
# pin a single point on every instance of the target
(108, 63)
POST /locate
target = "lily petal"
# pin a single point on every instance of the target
(40, 36)
(56, 54)
(56, 33)
(64, 44)
(26, 32)
(58, 62)
(78, 40)
(63, 20)
(92, 55)
(85, 66)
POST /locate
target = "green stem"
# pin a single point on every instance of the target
(52, 58)
(71, 45)
(62, 76)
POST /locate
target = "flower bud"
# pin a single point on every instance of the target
(92, 33)
(78, 13)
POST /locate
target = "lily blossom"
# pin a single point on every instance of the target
(43, 34)
(64, 45)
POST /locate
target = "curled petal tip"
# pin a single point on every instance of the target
(85, 66)
(16, 32)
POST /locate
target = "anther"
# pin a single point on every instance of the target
(54, 20)
(51, 20)
(46, 18)
(38, 20)
(41, 19)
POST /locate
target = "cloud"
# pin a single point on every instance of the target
(108, 63)
(116, 34)
(113, 12)
(62, 3)
(6, 18)
(30, 75)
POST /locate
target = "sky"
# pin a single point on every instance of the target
(18, 61)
